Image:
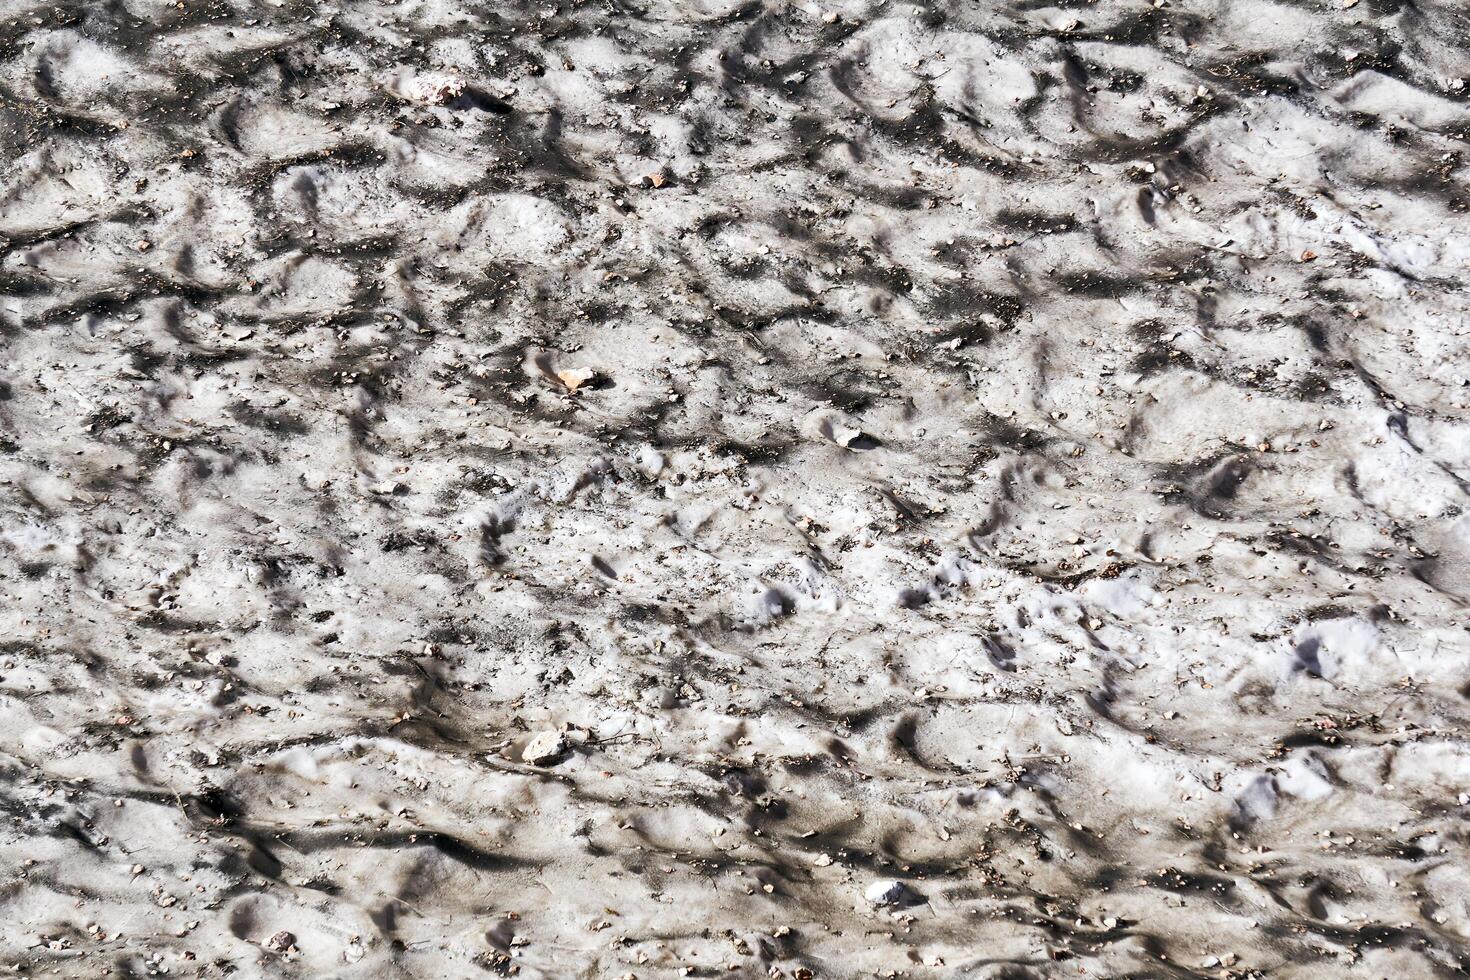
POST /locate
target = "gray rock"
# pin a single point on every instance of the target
(887, 891)
(544, 748)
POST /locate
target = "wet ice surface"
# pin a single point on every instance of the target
(658, 489)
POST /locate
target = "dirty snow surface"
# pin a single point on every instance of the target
(661, 488)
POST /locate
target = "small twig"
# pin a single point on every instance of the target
(610, 738)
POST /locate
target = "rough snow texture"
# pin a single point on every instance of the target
(1019, 451)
